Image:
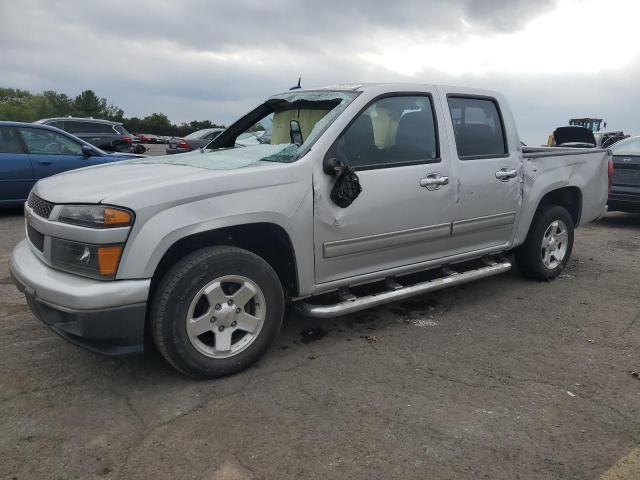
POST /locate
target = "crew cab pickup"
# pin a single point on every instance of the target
(351, 196)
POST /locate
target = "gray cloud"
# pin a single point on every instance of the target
(199, 59)
(207, 25)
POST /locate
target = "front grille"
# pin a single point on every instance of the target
(40, 207)
(35, 237)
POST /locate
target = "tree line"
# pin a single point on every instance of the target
(23, 106)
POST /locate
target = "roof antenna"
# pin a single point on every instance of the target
(296, 87)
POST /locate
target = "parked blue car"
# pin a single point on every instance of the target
(29, 152)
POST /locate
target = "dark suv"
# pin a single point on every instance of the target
(104, 134)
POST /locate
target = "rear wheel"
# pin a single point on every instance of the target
(548, 246)
(217, 311)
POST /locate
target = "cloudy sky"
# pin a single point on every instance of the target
(200, 59)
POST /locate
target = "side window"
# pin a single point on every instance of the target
(75, 127)
(9, 141)
(392, 131)
(102, 128)
(477, 126)
(45, 142)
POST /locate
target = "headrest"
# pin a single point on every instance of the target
(415, 135)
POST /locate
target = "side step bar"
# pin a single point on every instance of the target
(355, 304)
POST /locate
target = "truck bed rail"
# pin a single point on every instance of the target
(541, 152)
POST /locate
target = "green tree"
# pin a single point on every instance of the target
(88, 104)
(58, 103)
(24, 106)
(157, 123)
(17, 105)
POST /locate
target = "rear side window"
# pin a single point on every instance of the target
(392, 131)
(88, 127)
(9, 141)
(120, 129)
(478, 127)
(75, 127)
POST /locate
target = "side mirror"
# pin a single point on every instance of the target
(295, 132)
(88, 150)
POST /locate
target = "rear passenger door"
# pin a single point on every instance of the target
(16, 174)
(99, 134)
(400, 218)
(488, 191)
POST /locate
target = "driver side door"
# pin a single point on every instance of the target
(403, 214)
(51, 152)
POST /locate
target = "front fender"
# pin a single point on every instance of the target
(290, 209)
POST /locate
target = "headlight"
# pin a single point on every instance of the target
(96, 216)
(96, 261)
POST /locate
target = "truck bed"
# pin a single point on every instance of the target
(550, 168)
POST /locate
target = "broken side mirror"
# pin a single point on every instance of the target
(295, 132)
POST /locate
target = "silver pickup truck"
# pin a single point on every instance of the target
(337, 199)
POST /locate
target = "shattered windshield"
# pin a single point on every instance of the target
(226, 159)
(276, 131)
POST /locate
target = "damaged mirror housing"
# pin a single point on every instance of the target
(330, 165)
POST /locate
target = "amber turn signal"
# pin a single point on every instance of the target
(115, 217)
(108, 259)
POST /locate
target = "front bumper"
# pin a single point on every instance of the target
(102, 316)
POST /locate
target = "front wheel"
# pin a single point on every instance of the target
(548, 246)
(217, 311)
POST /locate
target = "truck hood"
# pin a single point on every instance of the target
(130, 177)
(574, 135)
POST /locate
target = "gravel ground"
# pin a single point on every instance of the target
(500, 379)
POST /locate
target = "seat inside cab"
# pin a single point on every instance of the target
(307, 113)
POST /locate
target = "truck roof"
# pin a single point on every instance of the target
(81, 119)
(391, 86)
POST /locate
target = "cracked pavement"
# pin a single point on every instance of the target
(501, 379)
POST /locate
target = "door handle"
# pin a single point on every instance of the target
(505, 174)
(434, 181)
(44, 162)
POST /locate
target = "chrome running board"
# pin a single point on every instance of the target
(399, 292)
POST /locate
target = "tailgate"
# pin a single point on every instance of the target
(626, 170)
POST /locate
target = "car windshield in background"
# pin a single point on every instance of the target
(277, 131)
(630, 146)
(203, 134)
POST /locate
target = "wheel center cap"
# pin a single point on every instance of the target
(226, 315)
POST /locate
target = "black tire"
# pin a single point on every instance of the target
(529, 255)
(178, 288)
